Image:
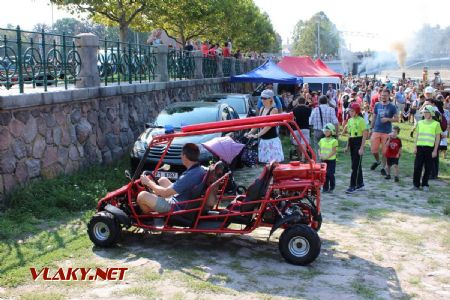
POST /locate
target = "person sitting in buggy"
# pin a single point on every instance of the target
(165, 193)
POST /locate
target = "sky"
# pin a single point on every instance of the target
(391, 20)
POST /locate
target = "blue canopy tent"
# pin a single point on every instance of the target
(268, 72)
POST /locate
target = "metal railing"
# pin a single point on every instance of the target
(238, 67)
(33, 59)
(226, 66)
(209, 66)
(180, 64)
(125, 62)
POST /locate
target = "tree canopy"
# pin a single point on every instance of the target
(305, 36)
(215, 20)
(121, 13)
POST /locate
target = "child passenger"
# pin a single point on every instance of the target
(327, 153)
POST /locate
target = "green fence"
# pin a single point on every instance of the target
(226, 66)
(125, 62)
(238, 67)
(209, 66)
(30, 59)
(180, 64)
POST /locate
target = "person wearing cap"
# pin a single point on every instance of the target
(384, 114)
(269, 147)
(358, 132)
(327, 154)
(271, 94)
(425, 147)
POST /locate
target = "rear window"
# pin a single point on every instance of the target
(186, 115)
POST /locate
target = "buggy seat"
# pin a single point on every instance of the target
(256, 191)
(187, 219)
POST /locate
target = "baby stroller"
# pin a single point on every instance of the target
(249, 155)
(226, 150)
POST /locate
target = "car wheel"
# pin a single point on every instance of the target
(299, 245)
(103, 229)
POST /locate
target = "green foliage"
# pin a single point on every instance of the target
(120, 13)
(305, 36)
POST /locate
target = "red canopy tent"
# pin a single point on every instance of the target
(301, 66)
(323, 66)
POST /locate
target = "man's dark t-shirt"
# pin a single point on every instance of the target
(190, 178)
(301, 114)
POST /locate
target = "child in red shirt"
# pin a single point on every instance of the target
(393, 150)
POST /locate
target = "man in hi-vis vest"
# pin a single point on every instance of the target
(426, 147)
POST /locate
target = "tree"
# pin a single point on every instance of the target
(305, 36)
(121, 13)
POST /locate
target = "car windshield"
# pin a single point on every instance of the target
(237, 103)
(186, 115)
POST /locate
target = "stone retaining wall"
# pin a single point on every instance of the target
(43, 135)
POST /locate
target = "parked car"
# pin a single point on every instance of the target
(173, 118)
(242, 103)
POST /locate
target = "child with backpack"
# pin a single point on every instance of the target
(327, 153)
(393, 152)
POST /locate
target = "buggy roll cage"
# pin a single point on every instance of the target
(284, 119)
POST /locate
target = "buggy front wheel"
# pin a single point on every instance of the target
(103, 229)
(299, 245)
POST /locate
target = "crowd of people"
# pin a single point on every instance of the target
(365, 110)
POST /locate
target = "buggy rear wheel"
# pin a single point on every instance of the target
(299, 245)
(103, 229)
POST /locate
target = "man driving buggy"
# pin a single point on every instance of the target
(165, 193)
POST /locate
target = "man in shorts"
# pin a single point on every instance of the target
(166, 193)
(384, 114)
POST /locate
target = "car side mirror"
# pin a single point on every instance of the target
(252, 112)
(127, 174)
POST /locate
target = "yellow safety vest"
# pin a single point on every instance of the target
(426, 132)
(356, 127)
(327, 145)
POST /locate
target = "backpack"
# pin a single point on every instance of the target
(443, 123)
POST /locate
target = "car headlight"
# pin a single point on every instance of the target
(139, 148)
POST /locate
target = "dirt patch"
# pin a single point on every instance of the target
(384, 243)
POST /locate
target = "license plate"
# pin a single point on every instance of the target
(169, 175)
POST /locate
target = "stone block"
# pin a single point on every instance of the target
(21, 172)
(51, 171)
(63, 154)
(39, 147)
(30, 130)
(22, 115)
(61, 96)
(73, 153)
(16, 128)
(5, 139)
(107, 157)
(117, 153)
(50, 156)
(9, 182)
(128, 89)
(109, 91)
(61, 118)
(41, 125)
(7, 162)
(33, 167)
(5, 118)
(57, 135)
(19, 148)
(83, 130)
(50, 120)
(75, 116)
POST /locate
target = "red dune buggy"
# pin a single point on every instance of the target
(285, 195)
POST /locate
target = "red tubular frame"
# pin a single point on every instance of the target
(132, 189)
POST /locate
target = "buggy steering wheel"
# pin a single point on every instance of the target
(149, 173)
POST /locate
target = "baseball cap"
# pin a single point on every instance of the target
(429, 90)
(267, 94)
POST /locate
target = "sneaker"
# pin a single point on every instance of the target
(360, 187)
(375, 165)
(411, 134)
(396, 179)
(383, 172)
(388, 177)
(426, 188)
(325, 190)
(350, 190)
(415, 188)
